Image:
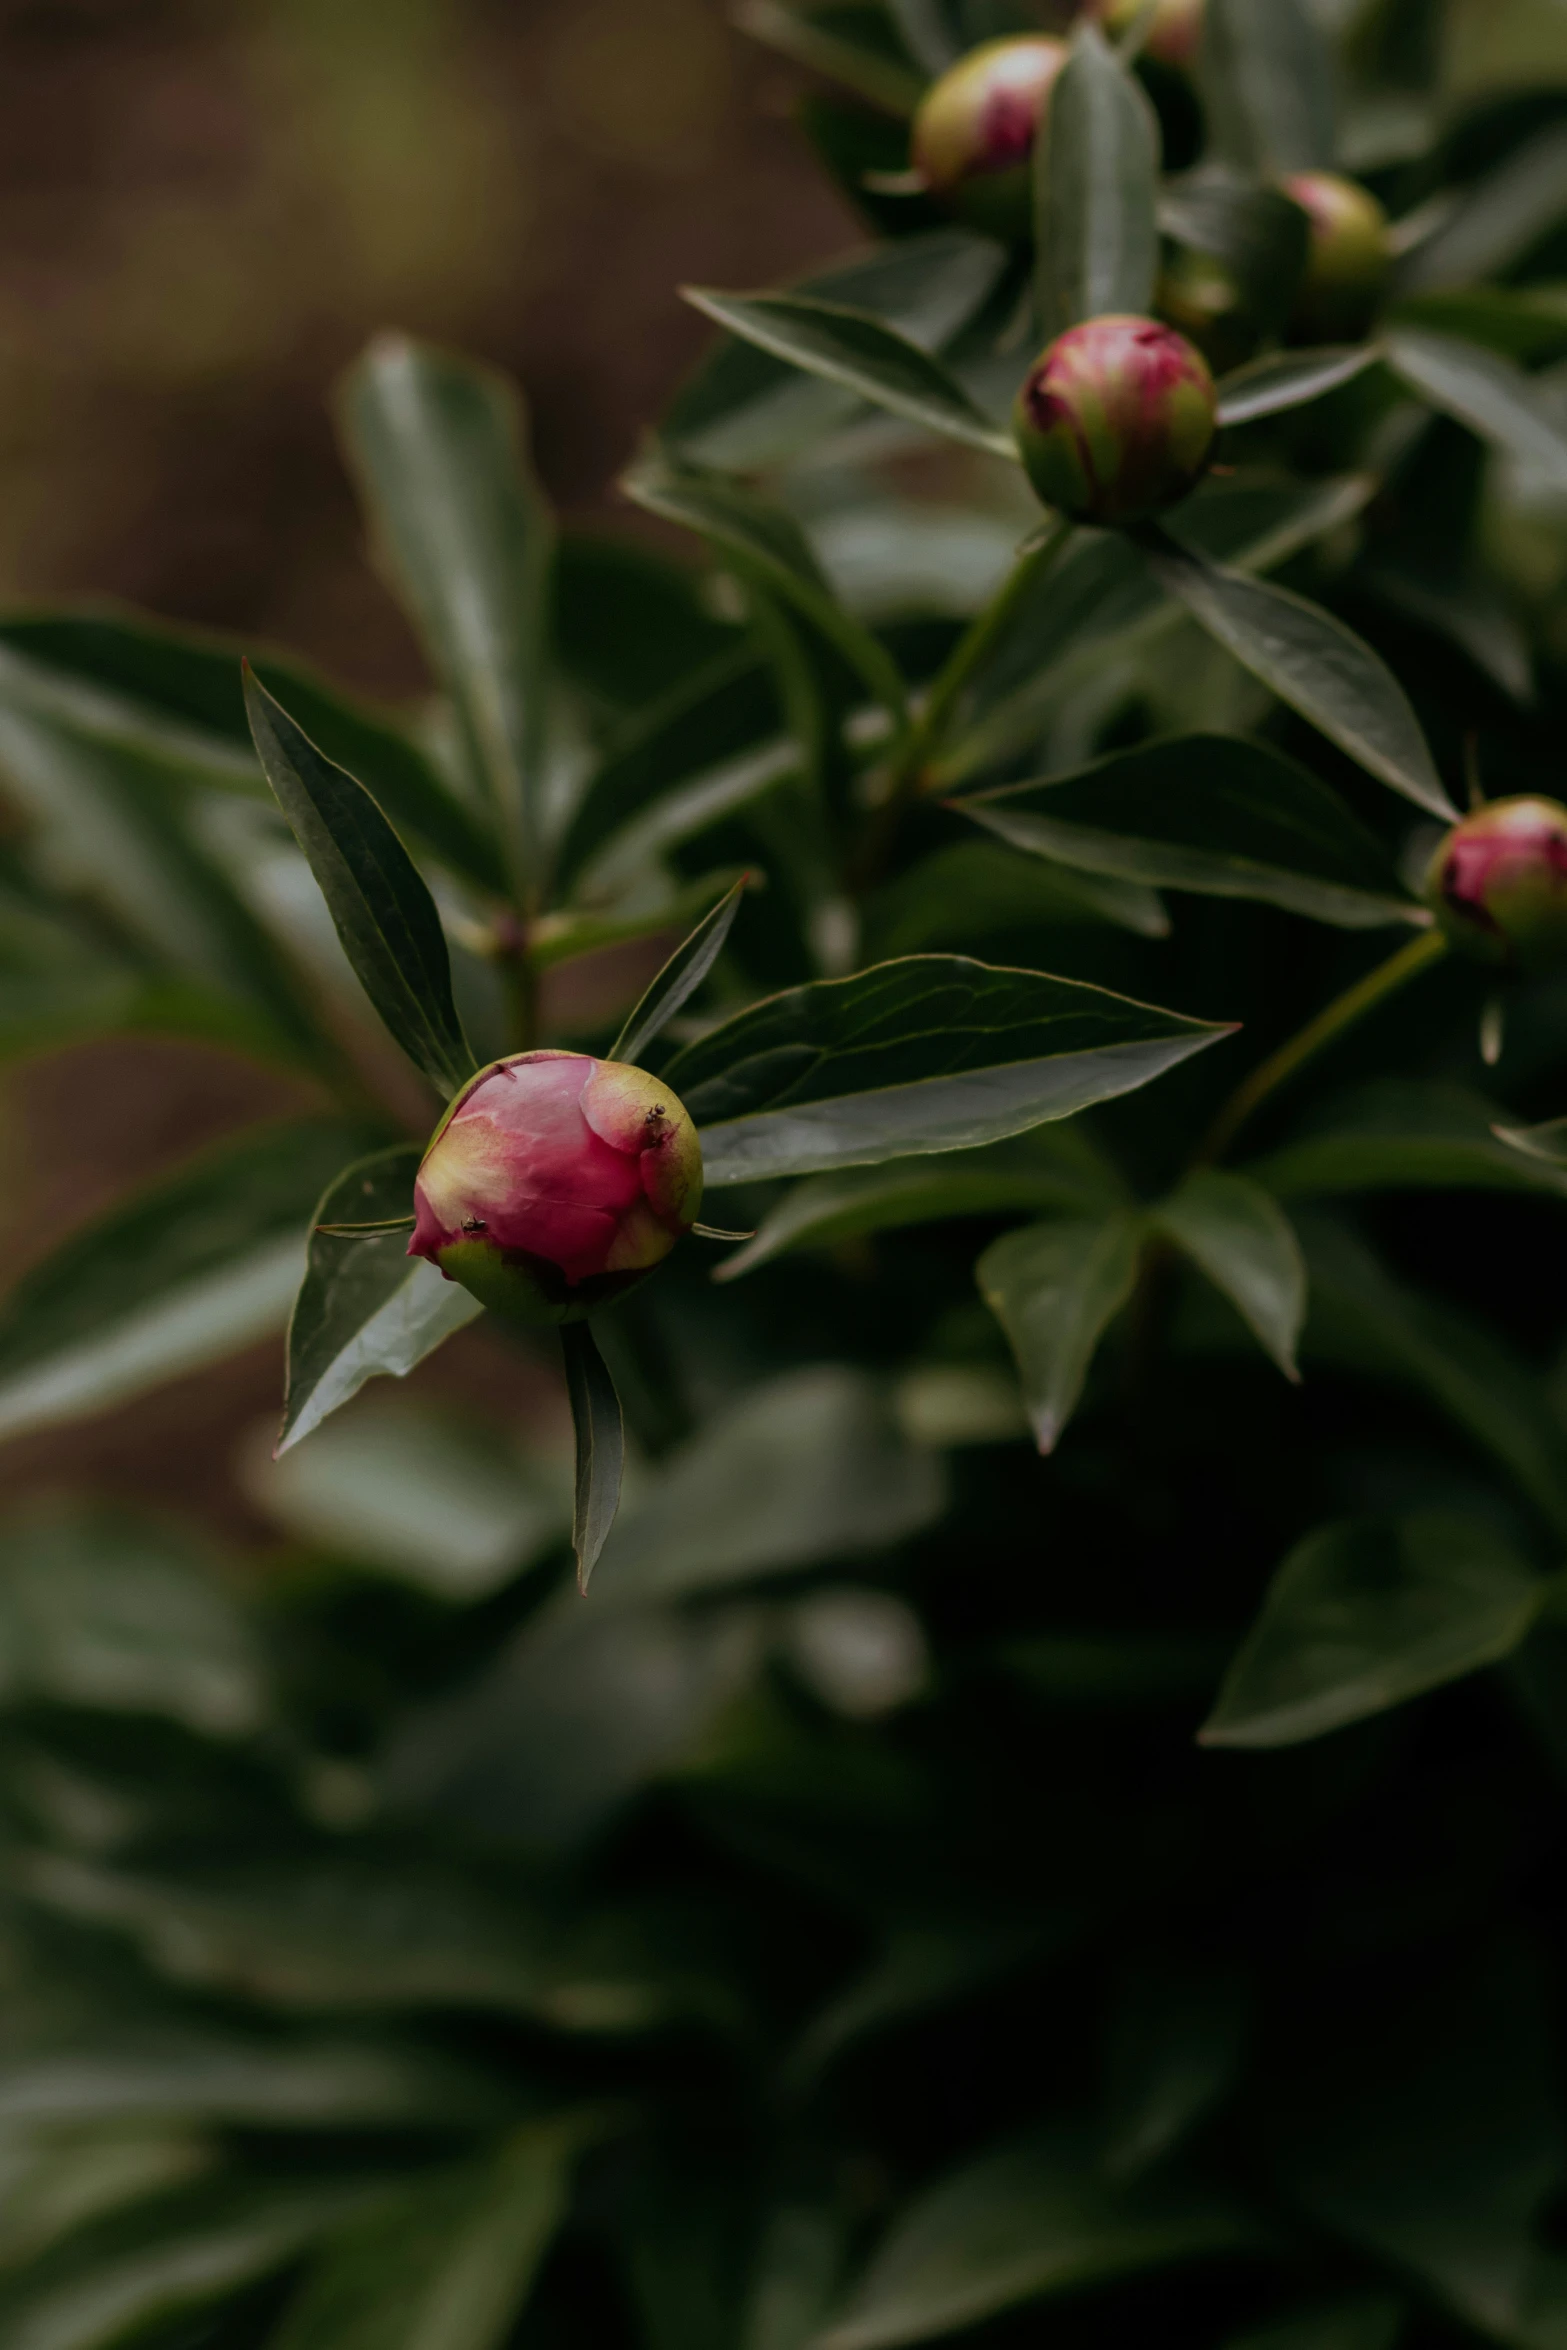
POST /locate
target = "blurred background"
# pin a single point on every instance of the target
(206, 206)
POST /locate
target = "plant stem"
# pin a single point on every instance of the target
(1304, 1046)
(906, 780)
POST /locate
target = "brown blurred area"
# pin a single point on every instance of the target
(206, 206)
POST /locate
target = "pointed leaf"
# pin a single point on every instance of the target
(1055, 1167)
(180, 1274)
(1251, 228)
(1313, 663)
(1367, 1614)
(450, 2263)
(1403, 1134)
(1267, 82)
(601, 1444)
(932, 1053)
(1055, 1289)
(868, 72)
(1288, 379)
(1178, 2033)
(1028, 2219)
(1496, 218)
(439, 447)
(853, 349)
(680, 978)
(1212, 813)
(1246, 1245)
(745, 409)
(380, 907)
(762, 538)
(927, 33)
(1096, 178)
(1487, 393)
(367, 1310)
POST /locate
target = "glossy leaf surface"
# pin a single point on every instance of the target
(601, 1444)
(1055, 1288)
(932, 1053)
(1096, 172)
(1367, 1614)
(1241, 1238)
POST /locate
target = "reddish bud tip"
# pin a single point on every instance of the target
(1347, 256)
(1116, 420)
(1173, 35)
(974, 132)
(555, 1182)
(1498, 884)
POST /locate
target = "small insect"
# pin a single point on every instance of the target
(474, 1224)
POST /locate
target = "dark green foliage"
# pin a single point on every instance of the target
(923, 1890)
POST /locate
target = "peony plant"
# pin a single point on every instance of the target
(985, 1752)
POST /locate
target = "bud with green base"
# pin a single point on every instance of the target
(1498, 885)
(974, 132)
(555, 1183)
(1116, 420)
(1347, 256)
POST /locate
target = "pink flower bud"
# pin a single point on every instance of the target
(1173, 35)
(1347, 256)
(555, 1182)
(973, 138)
(1498, 884)
(1115, 422)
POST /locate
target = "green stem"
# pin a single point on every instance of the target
(1304, 1046)
(907, 778)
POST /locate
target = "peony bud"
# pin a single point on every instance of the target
(1498, 884)
(555, 1182)
(1347, 256)
(1115, 421)
(1173, 35)
(973, 138)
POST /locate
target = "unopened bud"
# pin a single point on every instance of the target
(1498, 884)
(1115, 421)
(1173, 33)
(1347, 256)
(556, 1182)
(973, 137)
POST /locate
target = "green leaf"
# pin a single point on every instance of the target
(932, 1053)
(180, 1274)
(1244, 1242)
(100, 2289)
(1267, 83)
(1496, 218)
(1029, 2219)
(1374, 2322)
(763, 539)
(1314, 664)
(1363, 1320)
(1053, 1168)
(1212, 813)
(100, 1612)
(974, 888)
(813, 43)
(1367, 1614)
(448, 2265)
(927, 33)
(1536, 1147)
(380, 907)
(745, 409)
(1288, 379)
(130, 682)
(804, 1468)
(851, 348)
(1526, 323)
(601, 1445)
(438, 445)
(1055, 1289)
(680, 978)
(226, 2079)
(727, 711)
(1096, 177)
(1404, 1134)
(366, 1310)
(1485, 392)
(1177, 2037)
(1100, 600)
